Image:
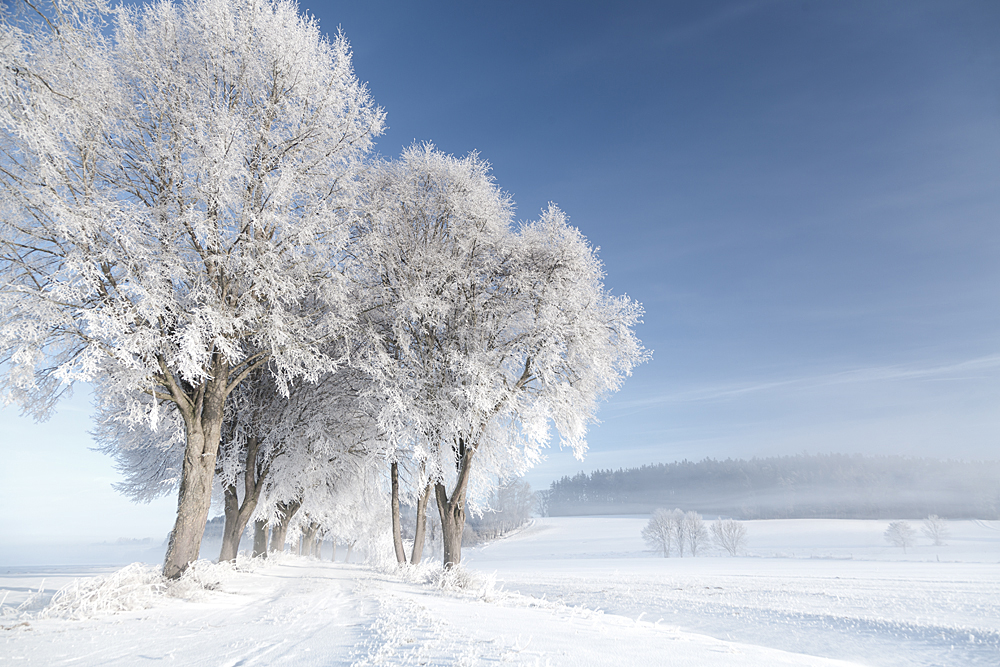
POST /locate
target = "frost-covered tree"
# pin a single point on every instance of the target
(936, 529)
(680, 530)
(900, 534)
(659, 532)
(694, 531)
(480, 336)
(170, 198)
(730, 535)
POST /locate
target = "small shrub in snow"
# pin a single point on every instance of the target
(730, 535)
(900, 534)
(135, 586)
(936, 529)
(460, 580)
(35, 602)
(454, 579)
(205, 575)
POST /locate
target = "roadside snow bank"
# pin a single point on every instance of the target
(134, 587)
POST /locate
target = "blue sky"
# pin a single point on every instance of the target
(803, 195)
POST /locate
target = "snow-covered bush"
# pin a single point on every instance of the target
(457, 579)
(135, 586)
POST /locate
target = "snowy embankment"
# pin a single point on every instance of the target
(573, 591)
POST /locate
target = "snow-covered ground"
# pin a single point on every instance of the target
(564, 591)
(823, 587)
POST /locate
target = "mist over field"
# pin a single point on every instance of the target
(825, 486)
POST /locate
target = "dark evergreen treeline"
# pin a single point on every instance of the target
(802, 486)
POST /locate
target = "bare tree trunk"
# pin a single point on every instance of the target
(334, 556)
(279, 532)
(232, 530)
(452, 510)
(308, 542)
(203, 413)
(350, 548)
(237, 515)
(259, 538)
(397, 533)
(421, 529)
(452, 525)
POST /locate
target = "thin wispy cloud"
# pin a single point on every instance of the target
(714, 21)
(978, 367)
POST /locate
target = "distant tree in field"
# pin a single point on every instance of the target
(900, 534)
(730, 535)
(936, 529)
(680, 530)
(694, 531)
(659, 532)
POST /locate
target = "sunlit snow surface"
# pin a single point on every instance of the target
(821, 587)
(565, 591)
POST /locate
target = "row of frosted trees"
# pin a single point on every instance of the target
(193, 223)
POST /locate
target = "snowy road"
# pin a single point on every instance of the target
(296, 613)
(307, 613)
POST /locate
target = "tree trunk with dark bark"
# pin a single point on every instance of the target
(420, 530)
(259, 539)
(237, 515)
(278, 533)
(452, 511)
(308, 542)
(397, 534)
(203, 411)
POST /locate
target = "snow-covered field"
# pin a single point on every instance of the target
(564, 591)
(821, 587)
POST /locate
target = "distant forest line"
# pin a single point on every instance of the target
(838, 486)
